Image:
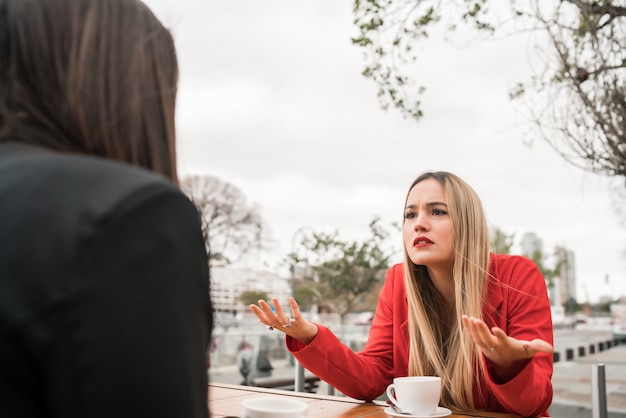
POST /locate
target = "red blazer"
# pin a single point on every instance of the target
(517, 302)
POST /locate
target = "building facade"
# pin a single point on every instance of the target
(563, 288)
(228, 282)
(531, 244)
(565, 282)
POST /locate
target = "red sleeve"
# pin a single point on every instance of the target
(364, 375)
(527, 316)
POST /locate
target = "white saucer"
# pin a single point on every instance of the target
(440, 412)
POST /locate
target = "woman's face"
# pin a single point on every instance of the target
(427, 229)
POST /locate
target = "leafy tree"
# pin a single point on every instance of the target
(231, 225)
(248, 297)
(305, 293)
(501, 243)
(577, 101)
(541, 260)
(341, 272)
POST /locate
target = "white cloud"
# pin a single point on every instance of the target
(272, 100)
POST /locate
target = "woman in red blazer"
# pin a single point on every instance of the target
(478, 320)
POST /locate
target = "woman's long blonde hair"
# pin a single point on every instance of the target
(438, 345)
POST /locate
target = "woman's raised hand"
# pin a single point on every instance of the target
(296, 327)
(506, 353)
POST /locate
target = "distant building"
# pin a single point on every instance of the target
(565, 286)
(531, 244)
(228, 282)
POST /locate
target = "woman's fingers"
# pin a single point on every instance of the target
(538, 346)
(480, 333)
(295, 309)
(275, 317)
(295, 326)
(279, 312)
(506, 353)
(261, 316)
(264, 313)
(285, 320)
(263, 307)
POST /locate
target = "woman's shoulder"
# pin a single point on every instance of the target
(395, 273)
(510, 261)
(57, 206)
(70, 198)
(109, 182)
(394, 280)
(513, 269)
(76, 179)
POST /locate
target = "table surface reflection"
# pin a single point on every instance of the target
(225, 401)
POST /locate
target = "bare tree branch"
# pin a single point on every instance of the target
(231, 225)
(575, 103)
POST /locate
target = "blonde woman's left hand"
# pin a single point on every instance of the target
(506, 353)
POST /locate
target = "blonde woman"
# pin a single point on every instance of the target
(478, 320)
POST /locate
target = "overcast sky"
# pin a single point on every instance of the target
(271, 100)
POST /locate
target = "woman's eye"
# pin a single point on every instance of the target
(439, 212)
(409, 215)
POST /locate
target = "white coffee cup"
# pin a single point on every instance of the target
(417, 395)
(273, 408)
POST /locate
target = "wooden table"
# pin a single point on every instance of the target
(225, 401)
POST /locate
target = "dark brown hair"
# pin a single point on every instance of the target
(96, 77)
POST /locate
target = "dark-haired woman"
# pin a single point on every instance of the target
(104, 297)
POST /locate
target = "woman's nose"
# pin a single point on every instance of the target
(420, 224)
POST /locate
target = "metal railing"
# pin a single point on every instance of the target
(299, 380)
(598, 391)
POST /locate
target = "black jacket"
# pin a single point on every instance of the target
(104, 293)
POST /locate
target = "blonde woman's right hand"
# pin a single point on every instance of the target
(296, 327)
